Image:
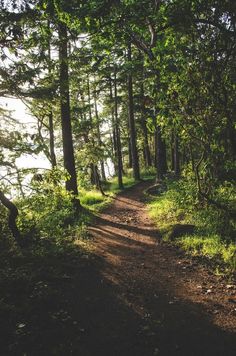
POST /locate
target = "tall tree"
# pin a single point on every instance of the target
(68, 149)
(117, 135)
(132, 129)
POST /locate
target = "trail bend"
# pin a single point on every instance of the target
(163, 303)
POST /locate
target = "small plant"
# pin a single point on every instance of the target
(113, 187)
(148, 173)
(214, 231)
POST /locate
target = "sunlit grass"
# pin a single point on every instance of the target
(148, 173)
(165, 213)
(93, 200)
(209, 246)
(91, 197)
(113, 186)
(167, 210)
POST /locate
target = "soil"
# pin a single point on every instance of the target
(135, 296)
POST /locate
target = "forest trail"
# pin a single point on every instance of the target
(161, 302)
(130, 295)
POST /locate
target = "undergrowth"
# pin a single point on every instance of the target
(214, 233)
(48, 221)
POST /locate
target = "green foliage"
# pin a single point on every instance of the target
(93, 200)
(210, 246)
(4, 231)
(214, 232)
(112, 184)
(49, 212)
(183, 73)
(165, 212)
(148, 173)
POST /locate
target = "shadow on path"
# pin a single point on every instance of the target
(127, 299)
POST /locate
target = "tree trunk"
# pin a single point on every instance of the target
(161, 164)
(89, 101)
(103, 172)
(99, 136)
(68, 149)
(176, 156)
(132, 130)
(117, 135)
(147, 153)
(130, 154)
(13, 213)
(155, 147)
(92, 174)
(50, 116)
(191, 157)
(160, 146)
(114, 143)
(98, 180)
(51, 140)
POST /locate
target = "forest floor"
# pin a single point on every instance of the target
(164, 302)
(133, 295)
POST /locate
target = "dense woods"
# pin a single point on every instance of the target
(120, 87)
(119, 91)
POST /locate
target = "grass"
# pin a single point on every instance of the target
(48, 215)
(148, 173)
(111, 186)
(39, 283)
(210, 246)
(211, 237)
(165, 213)
(94, 201)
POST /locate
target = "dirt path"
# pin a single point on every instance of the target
(131, 296)
(161, 303)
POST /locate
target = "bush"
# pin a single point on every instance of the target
(213, 236)
(148, 172)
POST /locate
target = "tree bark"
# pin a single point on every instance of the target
(13, 213)
(130, 154)
(161, 164)
(147, 153)
(51, 140)
(103, 174)
(68, 149)
(117, 135)
(132, 129)
(98, 181)
(160, 147)
(114, 143)
(50, 116)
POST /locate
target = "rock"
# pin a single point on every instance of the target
(209, 291)
(21, 325)
(179, 230)
(230, 286)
